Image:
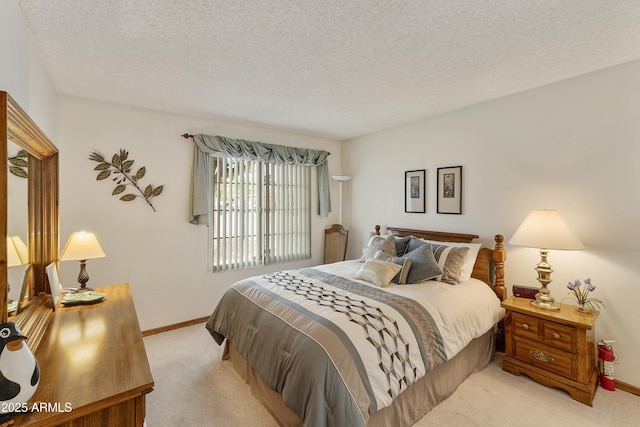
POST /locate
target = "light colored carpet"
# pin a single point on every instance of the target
(194, 387)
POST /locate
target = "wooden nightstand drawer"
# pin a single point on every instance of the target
(525, 326)
(547, 358)
(560, 336)
(552, 347)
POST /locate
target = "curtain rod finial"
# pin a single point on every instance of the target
(187, 135)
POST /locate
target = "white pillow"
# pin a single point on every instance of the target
(385, 243)
(469, 259)
(378, 272)
(405, 263)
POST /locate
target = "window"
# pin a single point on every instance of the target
(261, 213)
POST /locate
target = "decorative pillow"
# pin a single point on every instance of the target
(383, 243)
(469, 259)
(378, 272)
(423, 266)
(401, 245)
(415, 243)
(450, 259)
(401, 277)
(404, 273)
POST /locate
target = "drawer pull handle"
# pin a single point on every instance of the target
(556, 335)
(525, 326)
(543, 357)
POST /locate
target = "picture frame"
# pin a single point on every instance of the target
(414, 191)
(450, 190)
(54, 284)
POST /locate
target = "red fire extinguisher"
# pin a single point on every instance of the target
(606, 357)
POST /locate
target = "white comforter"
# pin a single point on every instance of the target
(462, 312)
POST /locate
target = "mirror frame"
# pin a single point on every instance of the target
(43, 189)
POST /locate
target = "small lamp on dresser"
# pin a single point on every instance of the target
(545, 229)
(82, 246)
(17, 252)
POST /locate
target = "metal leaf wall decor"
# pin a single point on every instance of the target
(119, 170)
(18, 164)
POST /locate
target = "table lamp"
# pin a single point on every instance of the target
(545, 229)
(82, 246)
(17, 253)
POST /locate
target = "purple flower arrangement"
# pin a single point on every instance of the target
(581, 292)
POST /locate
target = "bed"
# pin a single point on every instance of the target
(338, 344)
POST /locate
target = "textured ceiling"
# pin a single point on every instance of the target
(336, 68)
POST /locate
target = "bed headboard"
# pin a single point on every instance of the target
(488, 259)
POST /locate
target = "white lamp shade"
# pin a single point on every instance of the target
(545, 229)
(82, 245)
(17, 253)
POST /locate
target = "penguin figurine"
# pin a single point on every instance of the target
(19, 372)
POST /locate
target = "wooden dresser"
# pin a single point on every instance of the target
(94, 367)
(555, 348)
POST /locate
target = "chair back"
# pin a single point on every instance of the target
(335, 243)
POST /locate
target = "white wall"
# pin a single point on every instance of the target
(24, 77)
(22, 73)
(572, 146)
(160, 254)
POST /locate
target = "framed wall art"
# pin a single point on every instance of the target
(450, 190)
(414, 191)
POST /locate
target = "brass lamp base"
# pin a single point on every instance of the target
(545, 305)
(544, 300)
(83, 277)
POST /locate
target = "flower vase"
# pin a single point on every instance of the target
(582, 309)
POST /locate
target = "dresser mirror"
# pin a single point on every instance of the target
(40, 215)
(17, 215)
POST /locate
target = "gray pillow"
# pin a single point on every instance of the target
(423, 264)
(401, 245)
(450, 259)
(415, 243)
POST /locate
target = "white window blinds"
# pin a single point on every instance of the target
(260, 215)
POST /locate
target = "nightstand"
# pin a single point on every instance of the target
(555, 348)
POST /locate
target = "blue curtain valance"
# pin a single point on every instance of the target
(205, 145)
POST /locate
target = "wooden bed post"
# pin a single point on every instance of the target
(499, 256)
